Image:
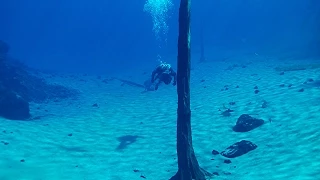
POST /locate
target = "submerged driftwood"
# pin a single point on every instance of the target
(299, 67)
(130, 83)
(147, 85)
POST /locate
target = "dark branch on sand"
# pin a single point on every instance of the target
(130, 83)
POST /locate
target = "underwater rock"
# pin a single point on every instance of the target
(215, 152)
(238, 149)
(227, 112)
(13, 107)
(310, 80)
(310, 83)
(247, 123)
(20, 79)
(216, 173)
(264, 104)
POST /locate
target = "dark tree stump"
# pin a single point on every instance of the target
(188, 166)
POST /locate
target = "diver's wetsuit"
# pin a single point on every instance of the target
(163, 74)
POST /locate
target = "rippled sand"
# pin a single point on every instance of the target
(75, 141)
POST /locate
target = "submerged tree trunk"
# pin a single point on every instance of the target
(188, 167)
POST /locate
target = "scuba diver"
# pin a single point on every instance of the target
(163, 73)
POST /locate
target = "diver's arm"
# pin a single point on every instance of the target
(154, 74)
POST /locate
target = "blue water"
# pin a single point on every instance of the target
(116, 39)
(86, 36)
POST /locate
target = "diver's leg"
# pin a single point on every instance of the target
(156, 86)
